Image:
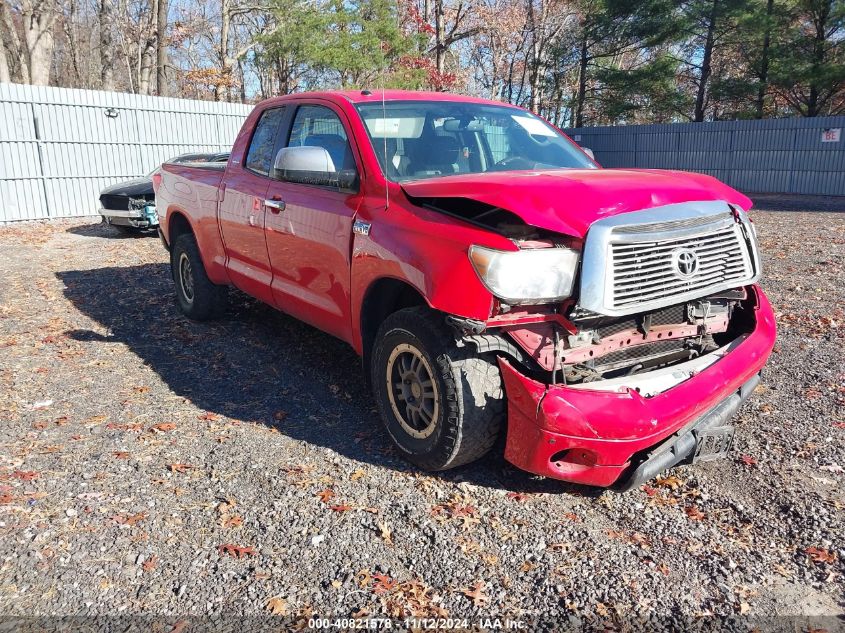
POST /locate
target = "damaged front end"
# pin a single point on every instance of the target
(642, 364)
(137, 211)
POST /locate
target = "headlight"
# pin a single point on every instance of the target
(527, 276)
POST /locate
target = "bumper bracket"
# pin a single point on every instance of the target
(682, 445)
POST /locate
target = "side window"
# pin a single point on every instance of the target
(318, 126)
(259, 157)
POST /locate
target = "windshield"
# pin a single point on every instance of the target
(428, 139)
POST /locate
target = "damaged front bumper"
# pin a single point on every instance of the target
(139, 218)
(625, 431)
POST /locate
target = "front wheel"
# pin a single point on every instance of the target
(197, 297)
(442, 405)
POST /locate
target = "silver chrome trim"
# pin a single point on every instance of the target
(666, 223)
(137, 214)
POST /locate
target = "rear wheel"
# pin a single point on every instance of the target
(197, 297)
(442, 405)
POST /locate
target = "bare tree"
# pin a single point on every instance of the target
(106, 20)
(39, 18)
(146, 60)
(5, 74)
(161, 48)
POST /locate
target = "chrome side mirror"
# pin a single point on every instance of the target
(313, 159)
(309, 165)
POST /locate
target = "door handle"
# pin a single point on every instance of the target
(275, 206)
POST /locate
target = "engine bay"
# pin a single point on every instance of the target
(576, 347)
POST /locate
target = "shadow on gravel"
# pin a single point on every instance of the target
(259, 365)
(101, 229)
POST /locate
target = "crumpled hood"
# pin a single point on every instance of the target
(569, 200)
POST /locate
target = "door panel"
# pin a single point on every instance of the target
(309, 240)
(242, 213)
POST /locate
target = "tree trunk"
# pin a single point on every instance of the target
(820, 21)
(439, 47)
(223, 52)
(534, 73)
(763, 85)
(10, 36)
(582, 84)
(38, 17)
(146, 58)
(69, 25)
(106, 17)
(161, 49)
(706, 68)
(5, 75)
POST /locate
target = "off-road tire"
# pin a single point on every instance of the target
(206, 300)
(469, 390)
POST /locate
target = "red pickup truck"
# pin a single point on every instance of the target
(493, 278)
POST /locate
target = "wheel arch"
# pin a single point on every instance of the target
(178, 224)
(383, 297)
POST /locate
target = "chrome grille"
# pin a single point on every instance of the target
(632, 262)
(644, 271)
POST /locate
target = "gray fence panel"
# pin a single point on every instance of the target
(768, 156)
(59, 148)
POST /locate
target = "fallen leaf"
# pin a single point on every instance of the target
(357, 475)
(208, 416)
(694, 513)
(385, 532)
(113, 426)
(748, 460)
(277, 606)
(180, 626)
(325, 495)
(341, 507)
(25, 475)
(363, 578)
(121, 454)
(236, 551)
(527, 566)
(179, 468)
(476, 594)
(517, 496)
(383, 584)
(131, 519)
(163, 427)
(671, 482)
(150, 563)
(234, 521)
(820, 555)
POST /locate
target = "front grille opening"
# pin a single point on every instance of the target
(731, 309)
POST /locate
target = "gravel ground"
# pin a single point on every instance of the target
(151, 465)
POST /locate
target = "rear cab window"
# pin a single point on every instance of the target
(259, 157)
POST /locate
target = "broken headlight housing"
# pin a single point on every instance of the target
(536, 275)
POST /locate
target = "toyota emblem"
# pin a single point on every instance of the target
(685, 262)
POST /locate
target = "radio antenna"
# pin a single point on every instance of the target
(384, 145)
